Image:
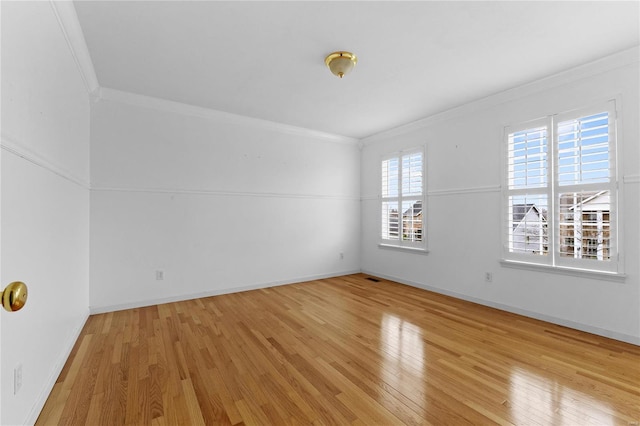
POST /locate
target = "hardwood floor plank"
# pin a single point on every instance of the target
(193, 406)
(340, 351)
(228, 402)
(53, 412)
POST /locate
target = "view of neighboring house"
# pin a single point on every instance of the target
(529, 234)
(411, 222)
(585, 227)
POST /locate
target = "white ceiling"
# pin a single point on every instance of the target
(266, 59)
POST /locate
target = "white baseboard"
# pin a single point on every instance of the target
(634, 340)
(55, 372)
(217, 292)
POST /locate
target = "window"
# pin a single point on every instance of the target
(560, 196)
(402, 200)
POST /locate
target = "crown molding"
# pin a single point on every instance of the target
(447, 192)
(10, 145)
(468, 190)
(600, 66)
(159, 104)
(68, 19)
(222, 193)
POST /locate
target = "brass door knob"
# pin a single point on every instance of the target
(14, 296)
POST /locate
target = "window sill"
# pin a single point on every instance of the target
(563, 270)
(405, 249)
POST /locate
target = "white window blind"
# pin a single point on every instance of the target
(402, 199)
(527, 154)
(561, 191)
(583, 150)
(527, 225)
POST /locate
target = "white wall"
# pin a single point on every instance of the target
(45, 202)
(464, 199)
(218, 203)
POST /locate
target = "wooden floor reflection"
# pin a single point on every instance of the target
(341, 351)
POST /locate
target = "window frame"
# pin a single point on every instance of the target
(522, 257)
(415, 246)
(553, 189)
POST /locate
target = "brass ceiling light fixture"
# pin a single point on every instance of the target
(340, 63)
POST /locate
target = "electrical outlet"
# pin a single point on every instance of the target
(159, 275)
(488, 277)
(17, 379)
(341, 256)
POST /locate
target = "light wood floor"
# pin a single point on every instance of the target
(340, 351)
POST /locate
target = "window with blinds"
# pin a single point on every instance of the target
(583, 150)
(527, 226)
(527, 154)
(560, 194)
(402, 199)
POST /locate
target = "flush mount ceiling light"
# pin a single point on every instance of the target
(340, 63)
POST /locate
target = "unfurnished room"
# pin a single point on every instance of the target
(320, 212)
